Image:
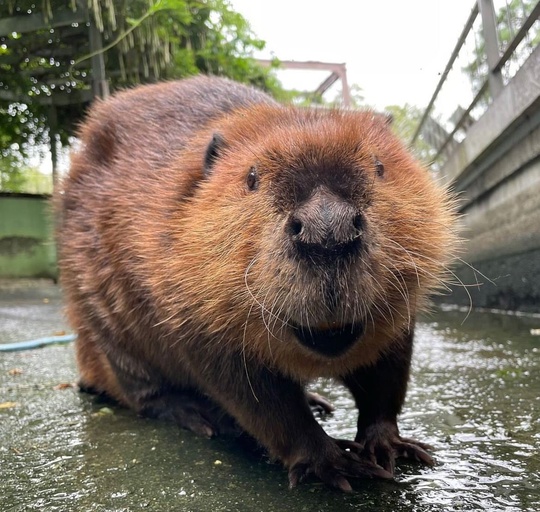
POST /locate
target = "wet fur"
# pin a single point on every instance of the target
(179, 278)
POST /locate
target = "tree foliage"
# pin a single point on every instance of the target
(405, 120)
(143, 41)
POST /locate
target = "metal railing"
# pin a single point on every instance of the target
(495, 41)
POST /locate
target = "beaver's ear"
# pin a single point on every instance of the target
(212, 152)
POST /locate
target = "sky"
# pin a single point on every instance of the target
(394, 50)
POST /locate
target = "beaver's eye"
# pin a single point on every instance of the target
(379, 167)
(252, 179)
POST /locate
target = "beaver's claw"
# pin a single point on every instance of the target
(382, 445)
(335, 466)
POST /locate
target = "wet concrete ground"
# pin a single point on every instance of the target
(474, 395)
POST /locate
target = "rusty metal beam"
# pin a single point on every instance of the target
(331, 80)
(338, 72)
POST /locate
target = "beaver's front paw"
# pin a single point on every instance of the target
(382, 445)
(320, 406)
(334, 462)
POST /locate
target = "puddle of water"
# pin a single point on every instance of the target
(474, 395)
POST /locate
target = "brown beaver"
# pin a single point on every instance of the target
(219, 250)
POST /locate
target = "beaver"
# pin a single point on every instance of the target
(218, 251)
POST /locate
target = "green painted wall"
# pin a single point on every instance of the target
(27, 246)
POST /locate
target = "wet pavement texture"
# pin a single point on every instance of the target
(474, 395)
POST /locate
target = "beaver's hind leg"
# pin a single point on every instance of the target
(133, 385)
(96, 374)
(192, 411)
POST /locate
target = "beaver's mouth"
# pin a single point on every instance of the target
(330, 341)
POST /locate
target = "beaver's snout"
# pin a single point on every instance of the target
(325, 226)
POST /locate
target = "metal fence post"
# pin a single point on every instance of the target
(489, 30)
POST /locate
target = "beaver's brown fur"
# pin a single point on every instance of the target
(218, 251)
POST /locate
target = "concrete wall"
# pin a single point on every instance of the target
(26, 236)
(496, 172)
(503, 232)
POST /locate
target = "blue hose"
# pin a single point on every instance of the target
(38, 343)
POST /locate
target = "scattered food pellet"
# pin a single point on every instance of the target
(104, 411)
(45, 301)
(535, 332)
(217, 463)
(15, 371)
(64, 385)
(8, 405)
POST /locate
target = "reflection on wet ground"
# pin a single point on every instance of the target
(474, 395)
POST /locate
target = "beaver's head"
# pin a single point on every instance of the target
(317, 225)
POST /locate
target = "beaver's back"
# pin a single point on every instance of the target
(150, 124)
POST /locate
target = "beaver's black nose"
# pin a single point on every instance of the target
(325, 226)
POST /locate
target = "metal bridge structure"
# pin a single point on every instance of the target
(481, 133)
